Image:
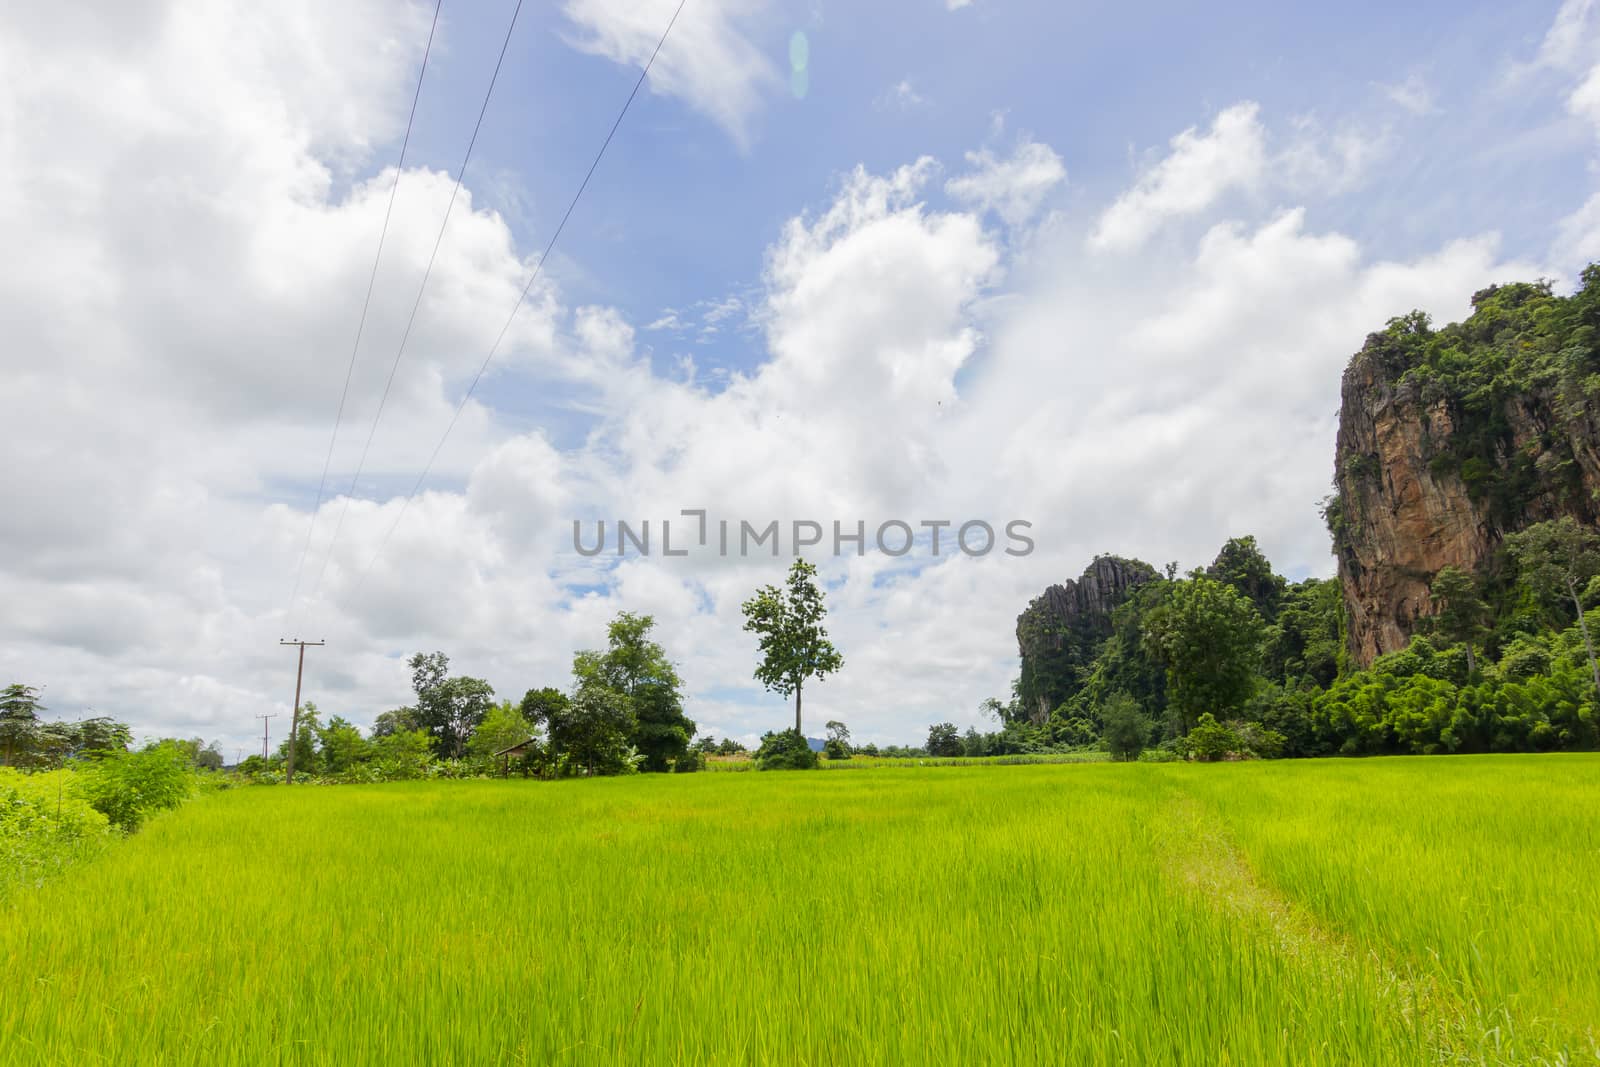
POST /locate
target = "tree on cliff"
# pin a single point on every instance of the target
(794, 643)
(1461, 615)
(1208, 636)
(1557, 559)
(1241, 565)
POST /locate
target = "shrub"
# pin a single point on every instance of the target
(44, 807)
(689, 762)
(1211, 740)
(785, 751)
(128, 788)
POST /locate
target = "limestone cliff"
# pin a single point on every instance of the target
(1062, 629)
(1451, 439)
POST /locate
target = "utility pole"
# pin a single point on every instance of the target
(264, 725)
(294, 723)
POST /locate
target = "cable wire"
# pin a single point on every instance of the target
(366, 304)
(533, 277)
(427, 272)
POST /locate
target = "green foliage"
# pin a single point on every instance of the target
(341, 746)
(1241, 566)
(690, 762)
(1460, 614)
(19, 721)
(793, 642)
(448, 708)
(1059, 653)
(589, 734)
(837, 746)
(400, 755)
(785, 750)
(502, 727)
(1210, 740)
(1303, 643)
(1209, 637)
(1125, 728)
(128, 788)
(637, 671)
(944, 740)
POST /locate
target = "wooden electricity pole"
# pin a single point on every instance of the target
(294, 723)
(264, 736)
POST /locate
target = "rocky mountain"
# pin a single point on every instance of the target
(1451, 439)
(1062, 629)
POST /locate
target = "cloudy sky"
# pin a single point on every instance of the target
(1093, 266)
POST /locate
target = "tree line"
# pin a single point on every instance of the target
(1231, 660)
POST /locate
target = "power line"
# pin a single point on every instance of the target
(366, 303)
(523, 296)
(427, 272)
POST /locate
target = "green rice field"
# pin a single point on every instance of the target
(1400, 911)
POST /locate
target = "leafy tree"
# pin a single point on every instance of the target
(1304, 643)
(1557, 559)
(837, 746)
(19, 720)
(1209, 637)
(590, 732)
(1124, 727)
(794, 644)
(785, 750)
(504, 726)
(305, 743)
(210, 758)
(1460, 613)
(99, 736)
(944, 740)
(1241, 565)
(448, 708)
(638, 671)
(539, 705)
(402, 754)
(390, 722)
(342, 746)
(730, 747)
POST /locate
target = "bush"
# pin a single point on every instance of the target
(1211, 740)
(45, 806)
(689, 762)
(785, 751)
(128, 788)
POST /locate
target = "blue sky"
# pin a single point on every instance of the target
(680, 213)
(1115, 301)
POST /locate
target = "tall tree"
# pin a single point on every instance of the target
(794, 643)
(944, 740)
(448, 708)
(637, 669)
(19, 720)
(1208, 636)
(1460, 613)
(837, 746)
(591, 730)
(1557, 559)
(342, 745)
(1241, 565)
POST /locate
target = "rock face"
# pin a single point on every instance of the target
(1430, 475)
(1062, 629)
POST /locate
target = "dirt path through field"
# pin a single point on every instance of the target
(1205, 863)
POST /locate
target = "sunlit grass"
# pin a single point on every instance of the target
(1329, 912)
